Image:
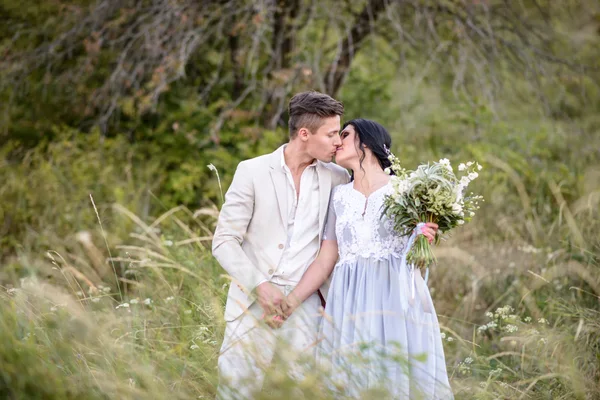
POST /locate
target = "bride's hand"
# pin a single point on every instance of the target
(429, 230)
(289, 305)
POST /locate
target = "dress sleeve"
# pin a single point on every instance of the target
(329, 230)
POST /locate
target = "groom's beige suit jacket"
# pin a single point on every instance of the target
(252, 228)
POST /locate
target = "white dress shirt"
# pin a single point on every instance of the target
(302, 243)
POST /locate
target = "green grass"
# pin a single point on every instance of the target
(517, 290)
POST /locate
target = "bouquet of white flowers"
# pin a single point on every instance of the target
(431, 193)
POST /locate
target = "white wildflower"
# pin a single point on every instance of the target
(443, 335)
(170, 298)
(511, 328)
(168, 243)
(543, 321)
(468, 360)
(148, 301)
(460, 222)
(134, 301)
(479, 167)
(457, 208)
(473, 175)
(387, 171)
(124, 305)
(462, 167)
(450, 339)
(489, 314)
(527, 319)
(194, 347)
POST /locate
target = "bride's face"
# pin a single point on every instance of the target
(347, 155)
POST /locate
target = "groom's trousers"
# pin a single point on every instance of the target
(249, 347)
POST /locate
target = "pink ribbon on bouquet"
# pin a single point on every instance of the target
(411, 240)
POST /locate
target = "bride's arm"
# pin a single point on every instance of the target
(314, 277)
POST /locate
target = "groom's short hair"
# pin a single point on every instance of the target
(307, 110)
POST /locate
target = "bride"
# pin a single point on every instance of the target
(379, 331)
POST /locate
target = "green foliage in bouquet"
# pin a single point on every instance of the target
(431, 193)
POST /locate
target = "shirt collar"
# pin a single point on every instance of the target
(284, 165)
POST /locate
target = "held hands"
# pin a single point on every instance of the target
(277, 308)
(272, 302)
(429, 230)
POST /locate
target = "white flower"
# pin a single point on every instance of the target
(457, 208)
(460, 222)
(479, 167)
(170, 298)
(124, 305)
(469, 163)
(468, 360)
(473, 175)
(489, 314)
(148, 301)
(387, 171)
(445, 161)
(462, 167)
(443, 335)
(134, 301)
(511, 328)
(168, 243)
(450, 339)
(194, 347)
(542, 321)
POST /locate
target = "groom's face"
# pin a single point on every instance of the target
(323, 143)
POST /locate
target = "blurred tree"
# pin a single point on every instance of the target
(108, 63)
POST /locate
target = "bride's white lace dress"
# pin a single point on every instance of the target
(379, 330)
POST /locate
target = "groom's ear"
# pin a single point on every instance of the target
(303, 134)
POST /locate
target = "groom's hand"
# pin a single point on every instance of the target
(270, 299)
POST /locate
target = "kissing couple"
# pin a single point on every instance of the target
(301, 239)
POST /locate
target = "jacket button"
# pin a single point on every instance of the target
(270, 271)
(280, 246)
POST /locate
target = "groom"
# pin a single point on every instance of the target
(269, 231)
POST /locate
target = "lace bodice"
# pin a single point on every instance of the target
(365, 235)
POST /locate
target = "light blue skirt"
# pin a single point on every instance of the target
(380, 332)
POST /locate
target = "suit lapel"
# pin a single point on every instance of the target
(279, 183)
(324, 191)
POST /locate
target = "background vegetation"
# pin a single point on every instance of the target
(112, 110)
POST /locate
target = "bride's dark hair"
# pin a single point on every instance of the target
(375, 137)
